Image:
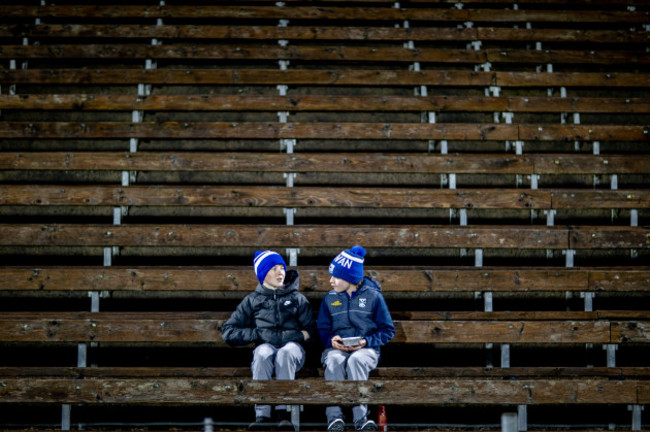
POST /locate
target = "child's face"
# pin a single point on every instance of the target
(275, 277)
(340, 285)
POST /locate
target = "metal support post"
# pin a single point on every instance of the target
(636, 416)
(509, 422)
(611, 354)
(522, 415)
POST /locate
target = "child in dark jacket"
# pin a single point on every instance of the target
(353, 308)
(279, 321)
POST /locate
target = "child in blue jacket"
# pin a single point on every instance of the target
(353, 308)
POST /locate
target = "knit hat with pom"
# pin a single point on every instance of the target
(265, 261)
(348, 265)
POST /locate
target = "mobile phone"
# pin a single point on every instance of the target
(351, 341)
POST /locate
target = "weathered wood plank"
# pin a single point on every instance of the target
(327, 13)
(603, 237)
(343, 197)
(323, 77)
(392, 279)
(341, 162)
(272, 130)
(278, 196)
(621, 279)
(375, 33)
(204, 327)
(631, 332)
(381, 54)
(569, 199)
(160, 391)
(499, 237)
(277, 162)
(379, 373)
(413, 331)
(91, 102)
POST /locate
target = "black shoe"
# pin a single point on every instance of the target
(261, 424)
(284, 421)
(336, 425)
(286, 425)
(368, 425)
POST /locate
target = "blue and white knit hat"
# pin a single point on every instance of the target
(265, 261)
(348, 265)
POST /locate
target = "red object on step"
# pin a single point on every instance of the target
(382, 422)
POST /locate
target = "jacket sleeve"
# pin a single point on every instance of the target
(306, 318)
(385, 327)
(324, 325)
(240, 329)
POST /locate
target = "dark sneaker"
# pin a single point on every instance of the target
(368, 425)
(261, 424)
(285, 425)
(337, 425)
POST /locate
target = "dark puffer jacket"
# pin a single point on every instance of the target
(272, 316)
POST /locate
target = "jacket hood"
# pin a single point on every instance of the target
(291, 284)
(370, 283)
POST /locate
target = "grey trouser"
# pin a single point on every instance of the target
(356, 366)
(285, 361)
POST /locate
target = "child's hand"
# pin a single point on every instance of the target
(337, 344)
(362, 344)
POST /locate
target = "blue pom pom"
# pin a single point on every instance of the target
(358, 250)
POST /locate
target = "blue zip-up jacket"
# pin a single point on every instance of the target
(363, 314)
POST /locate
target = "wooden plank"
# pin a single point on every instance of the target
(339, 53)
(254, 52)
(266, 32)
(618, 280)
(583, 132)
(273, 162)
(323, 162)
(322, 130)
(273, 130)
(498, 237)
(571, 79)
(572, 199)
(605, 237)
(61, 327)
(327, 13)
(590, 164)
(392, 279)
(635, 332)
(299, 103)
(331, 197)
(316, 391)
(378, 373)
(375, 33)
(274, 196)
(204, 327)
(323, 77)
(540, 332)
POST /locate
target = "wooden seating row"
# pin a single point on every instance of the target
(321, 33)
(429, 163)
(320, 236)
(320, 197)
(323, 77)
(325, 103)
(396, 279)
(333, 13)
(376, 55)
(601, 327)
(422, 280)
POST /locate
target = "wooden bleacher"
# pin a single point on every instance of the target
(491, 156)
